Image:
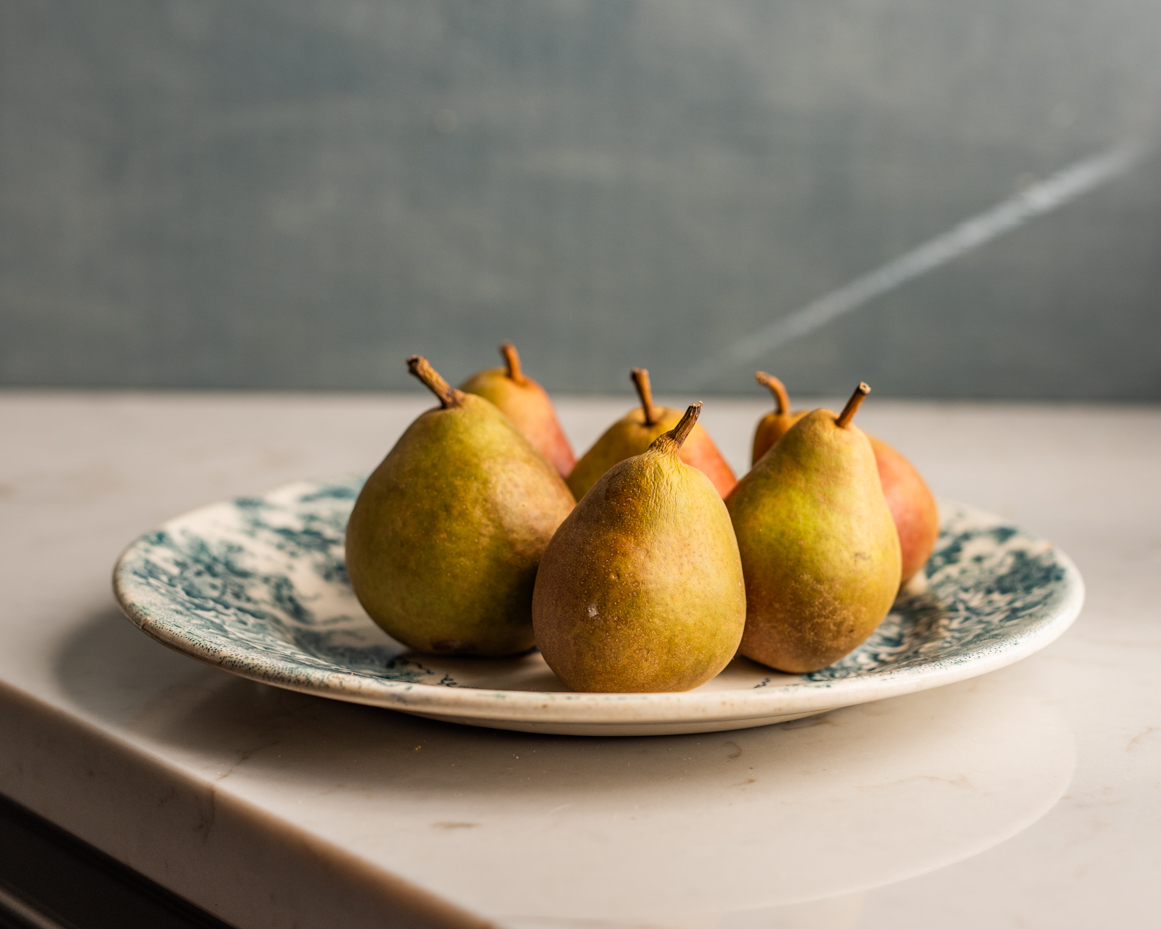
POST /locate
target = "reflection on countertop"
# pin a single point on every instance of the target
(734, 830)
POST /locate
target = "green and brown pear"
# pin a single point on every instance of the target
(818, 544)
(527, 404)
(908, 496)
(641, 588)
(634, 432)
(446, 535)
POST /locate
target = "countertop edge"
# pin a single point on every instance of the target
(203, 843)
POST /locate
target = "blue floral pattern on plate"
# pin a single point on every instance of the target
(259, 586)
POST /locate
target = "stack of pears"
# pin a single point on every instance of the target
(820, 553)
(636, 431)
(908, 497)
(467, 540)
(446, 535)
(641, 588)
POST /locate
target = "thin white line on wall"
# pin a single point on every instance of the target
(1033, 201)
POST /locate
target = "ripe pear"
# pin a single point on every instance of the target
(634, 432)
(527, 404)
(773, 426)
(641, 588)
(912, 507)
(911, 503)
(446, 535)
(818, 544)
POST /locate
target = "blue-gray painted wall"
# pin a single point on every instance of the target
(301, 193)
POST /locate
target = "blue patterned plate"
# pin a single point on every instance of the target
(259, 587)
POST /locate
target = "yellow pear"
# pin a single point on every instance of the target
(446, 535)
(819, 548)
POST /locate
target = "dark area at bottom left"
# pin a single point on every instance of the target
(50, 879)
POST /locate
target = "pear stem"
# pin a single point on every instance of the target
(422, 369)
(781, 398)
(640, 377)
(675, 437)
(512, 360)
(848, 413)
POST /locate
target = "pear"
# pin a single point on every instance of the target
(818, 544)
(445, 536)
(526, 403)
(776, 424)
(912, 507)
(641, 588)
(636, 431)
(908, 497)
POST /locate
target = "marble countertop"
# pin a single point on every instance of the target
(1027, 797)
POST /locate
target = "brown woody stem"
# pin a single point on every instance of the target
(781, 398)
(852, 407)
(512, 360)
(422, 369)
(676, 436)
(640, 378)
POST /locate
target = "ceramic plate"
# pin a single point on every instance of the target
(258, 586)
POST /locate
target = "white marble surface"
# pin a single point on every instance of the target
(1028, 797)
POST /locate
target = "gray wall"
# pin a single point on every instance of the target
(301, 193)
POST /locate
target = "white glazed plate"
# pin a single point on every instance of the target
(258, 586)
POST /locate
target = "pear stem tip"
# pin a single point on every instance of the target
(512, 360)
(852, 407)
(775, 386)
(421, 368)
(640, 378)
(675, 437)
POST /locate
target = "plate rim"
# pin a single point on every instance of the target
(565, 707)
